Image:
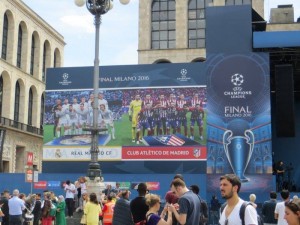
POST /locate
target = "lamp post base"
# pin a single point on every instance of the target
(95, 186)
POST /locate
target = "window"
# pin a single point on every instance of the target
(4, 37)
(19, 50)
(32, 55)
(54, 60)
(196, 22)
(163, 24)
(17, 102)
(44, 58)
(42, 109)
(1, 94)
(238, 2)
(30, 107)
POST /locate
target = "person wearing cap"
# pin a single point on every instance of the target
(138, 205)
(292, 212)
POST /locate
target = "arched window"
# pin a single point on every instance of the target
(32, 55)
(17, 101)
(163, 19)
(19, 50)
(44, 58)
(30, 107)
(196, 23)
(54, 61)
(1, 95)
(4, 37)
(238, 2)
(42, 109)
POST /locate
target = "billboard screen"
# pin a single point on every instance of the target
(147, 112)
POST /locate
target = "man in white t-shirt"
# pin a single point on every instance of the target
(230, 186)
(280, 208)
(70, 194)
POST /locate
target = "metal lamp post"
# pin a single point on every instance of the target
(96, 8)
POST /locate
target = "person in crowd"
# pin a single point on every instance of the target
(1, 213)
(36, 211)
(122, 214)
(204, 207)
(81, 189)
(230, 186)
(268, 209)
(108, 210)
(138, 205)
(108, 190)
(171, 198)
(92, 210)
(70, 192)
(85, 199)
(152, 217)
(280, 175)
(189, 203)
(252, 198)
(214, 209)
(280, 207)
(60, 211)
(29, 204)
(16, 207)
(292, 212)
(4, 201)
(46, 207)
(117, 189)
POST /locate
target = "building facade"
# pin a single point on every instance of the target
(174, 31)
(28, 46)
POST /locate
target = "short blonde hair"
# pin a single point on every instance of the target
(252, 197)
(152, 199)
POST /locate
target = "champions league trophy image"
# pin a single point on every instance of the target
(238, 150)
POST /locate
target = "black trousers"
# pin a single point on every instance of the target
(70, 206)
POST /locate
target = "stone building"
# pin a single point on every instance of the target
(28, 45)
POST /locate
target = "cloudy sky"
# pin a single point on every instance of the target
(118, 31)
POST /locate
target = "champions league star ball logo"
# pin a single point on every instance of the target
(183, 72)
(237, 79)
(65, 76)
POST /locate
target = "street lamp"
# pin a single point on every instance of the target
(96, 8)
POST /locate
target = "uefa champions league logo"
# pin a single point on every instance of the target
(65, 76)
(183, 72)
(65, 81)
(183, 77)
(237, 79)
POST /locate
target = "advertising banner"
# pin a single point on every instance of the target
(147, 112)
(239, 119)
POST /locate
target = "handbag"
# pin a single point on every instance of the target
(83, 219)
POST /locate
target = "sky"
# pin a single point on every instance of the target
(118, 30)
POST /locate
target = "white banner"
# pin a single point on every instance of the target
(59, 153)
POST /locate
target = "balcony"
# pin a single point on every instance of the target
(20, 126)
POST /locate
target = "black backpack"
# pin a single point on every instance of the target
(242, 212)
(204, 212)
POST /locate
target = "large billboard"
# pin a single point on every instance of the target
(147, 112)
(239, 120)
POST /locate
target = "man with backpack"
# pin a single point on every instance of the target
(236, 210)
(203, 205)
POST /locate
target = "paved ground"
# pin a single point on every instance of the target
(75, 220)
